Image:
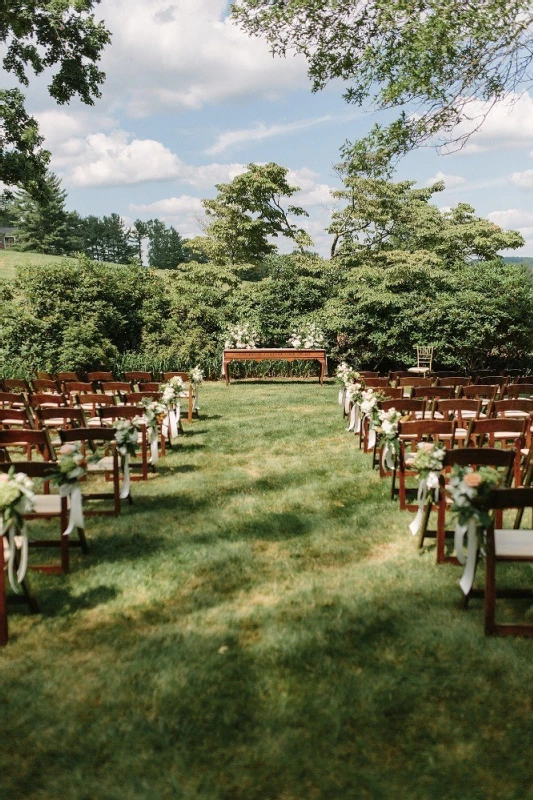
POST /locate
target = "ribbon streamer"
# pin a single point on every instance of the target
(154, 448)
(347, 401)
(425, 484)
(196, 407)
(371, 437)
(16, 540)
(355, 421)
(125, 491)
(342, 392)
(388, 456)
(75, 520)
(470, 558)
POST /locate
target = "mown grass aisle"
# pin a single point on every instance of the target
(259, 625)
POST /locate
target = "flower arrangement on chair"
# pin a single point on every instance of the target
(387, 432)
(70, 468)
(16, 499)
(468, 489)
(427, 463)
(127, 439)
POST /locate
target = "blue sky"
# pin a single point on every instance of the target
(189, 100)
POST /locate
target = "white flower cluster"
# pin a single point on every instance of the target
(369, 401)
(72, 463)
(197, 376)
(308, 336)
(171, 391)
(389, 422)
(345, 374)
(242, 337)
(153, 412)
(16, 494)
(126, 436)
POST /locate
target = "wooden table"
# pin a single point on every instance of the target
(274, 354)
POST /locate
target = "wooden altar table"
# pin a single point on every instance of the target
(274, 354)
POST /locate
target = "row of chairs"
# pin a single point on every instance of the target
(503, 442)
(39, 441)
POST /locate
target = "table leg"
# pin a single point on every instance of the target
(226, 372)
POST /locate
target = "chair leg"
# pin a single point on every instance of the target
(490, 590)
(83, 540)
(3, 604)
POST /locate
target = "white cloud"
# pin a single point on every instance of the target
(523, 180)
(507, 126)
(116, 159)
(171, 206)
(186, 54)
(450, 181)
(512, 218)
(261, 131)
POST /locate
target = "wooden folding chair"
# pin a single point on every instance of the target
(16, 385)
(504, 546)
(48, 506)
(461, 410)
(28, 440)
(46, 400)
(40, 386)
(115, 387)
(72, 388)
(409, 409)
(465, 457)
(138, 375)
(64, 377)
(15, 418)
(484, 392)
(108, 465)
(102, 375)
(27, 597)
(109, 415)
(410, 434)
(519, 408)
(12, 400)
(189, 394)
(433, 392)
(518, 390)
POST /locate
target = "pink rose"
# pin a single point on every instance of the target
(473, 480)
(67, 449)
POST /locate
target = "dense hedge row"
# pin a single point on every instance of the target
(87, 315)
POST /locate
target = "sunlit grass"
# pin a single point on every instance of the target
(260, 625)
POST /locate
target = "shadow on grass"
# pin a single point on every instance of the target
(58, 602)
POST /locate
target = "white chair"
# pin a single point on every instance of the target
(424, 360)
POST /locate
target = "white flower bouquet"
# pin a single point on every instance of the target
(308, 336)
(346, 375)
(468, 489)
(197, 376)
(387, 429)
(71, 465)
(428, 461)
(171, 391)
(242, 337)
(127, 436)
(154, 413)
(16, 497)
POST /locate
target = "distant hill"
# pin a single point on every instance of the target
(10, 260)
(526, 260)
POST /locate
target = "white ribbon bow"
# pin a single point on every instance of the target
(75, 520)
(431, 482)
(355, 418)
(470, 558)
(15, 540)
(170, 424)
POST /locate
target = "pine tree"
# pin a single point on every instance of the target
(44, 225)
(165, 249)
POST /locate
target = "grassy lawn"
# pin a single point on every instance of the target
(10, 260)
(260, 625)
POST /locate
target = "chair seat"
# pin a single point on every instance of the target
(104, 464)
(506, 435)
(515, 414)
(418, 370)
(514, 543)
(47, 504)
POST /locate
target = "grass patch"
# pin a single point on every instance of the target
(260, 625)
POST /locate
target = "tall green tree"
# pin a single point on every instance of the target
(63, 37)
(165, 245)
(42, 224)
(426, 58)
(380, 214)
(139, 234)
(107, 239)
(249, 210)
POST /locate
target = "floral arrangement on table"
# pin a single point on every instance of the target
(308, 336)
(241, 336)
(387, 432)
(127, 437)
(427, 462)
(16, 499)
(469, 489)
